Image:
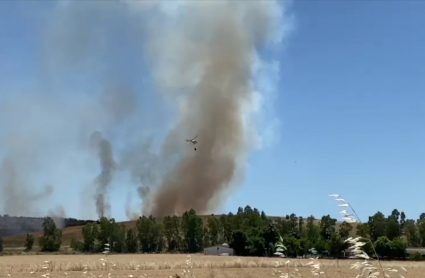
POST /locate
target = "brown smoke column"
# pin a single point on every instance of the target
(107, 164)
(214, 111)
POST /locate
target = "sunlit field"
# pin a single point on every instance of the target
(171, 265)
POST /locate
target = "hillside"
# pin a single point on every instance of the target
(68, 233)
(11, 225)
(14, 225)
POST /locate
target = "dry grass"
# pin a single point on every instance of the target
(199, 266)
(166, 265)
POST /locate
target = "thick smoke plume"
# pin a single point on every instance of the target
(107, 164)
(213, 44)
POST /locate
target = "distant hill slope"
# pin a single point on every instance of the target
(13, 225)
(76, 232)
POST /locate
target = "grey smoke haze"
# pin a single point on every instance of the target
(94, 58)
(58, 214)
(44, 129)
(16, 199)
(144, 166)
(130, 212)
(103, 181)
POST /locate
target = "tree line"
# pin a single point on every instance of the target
(249, 232)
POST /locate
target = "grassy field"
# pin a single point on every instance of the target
(139, 266)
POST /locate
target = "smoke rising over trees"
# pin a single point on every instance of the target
(104, 150)
(197, 77)
(210, 78)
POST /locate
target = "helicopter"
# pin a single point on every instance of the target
(193, 141)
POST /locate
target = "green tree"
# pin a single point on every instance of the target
(271, 237)
(118, 238)
(292, 245)
(336, 245)
(206, 238)
(114, 234)
(377, 226)
(398, 248)
(160, 243)
(145, 230)
(29, 241)
(293, 225)
(239, 243)
(226, 223)
(393, 225)
(149, 233)
(253, 233)
(327, 227)
(363, 230)
(76, 245)
(421, 228)
(301, 225)
(312, 230)
(168, 232)
(263, 216)
(344, 229)
(383, 247)
(172, 232)
(131, 241)
(417, 256)
(90, 233)
(320, 246)
(283, 226)
(395, 214)
(305, 246)
(192, 229)
(213, 225)
(412, 233)
(402, 220)
(237, 220)
(255, 242)
(104, 236)
(250, 218)
(51, 239)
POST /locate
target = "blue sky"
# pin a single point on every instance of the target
(352, 107)
(350, 102)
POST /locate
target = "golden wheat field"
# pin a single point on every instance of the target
(139, 266)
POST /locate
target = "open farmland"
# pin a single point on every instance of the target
(168, 265)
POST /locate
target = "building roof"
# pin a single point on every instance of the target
(412, 250)
(218, 245)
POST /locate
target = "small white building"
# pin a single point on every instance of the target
(219, 250)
